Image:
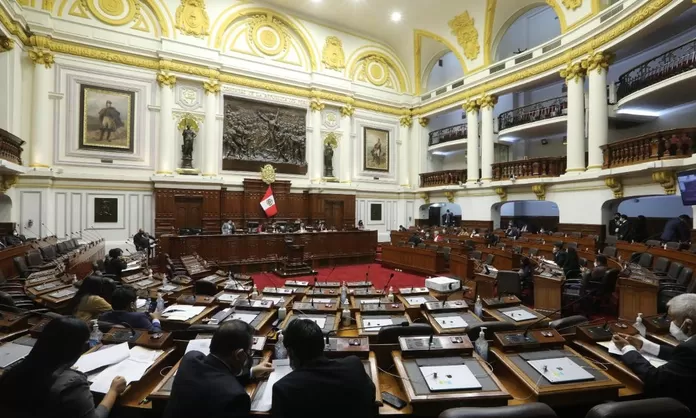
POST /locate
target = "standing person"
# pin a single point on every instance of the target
(640, 229)
(142, 241)
(625, 232)
(44, 385)
(614, 224)
(571, 266)
(677, 230)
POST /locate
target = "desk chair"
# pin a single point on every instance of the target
(49, 252)
(652, 243)
(489, 259)
(669, 290)
(611, 240)
(644, 408)
(530, 410)
(609, 251)
(661, 265)
(673, 271)
(533, 252)
(645, 260)
(509, 283)
(673, 245)
(573, 245)
(204, 287)
(568, 324)
(476, 255)
(21, 266)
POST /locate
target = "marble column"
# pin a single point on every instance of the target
(472, 141)
(346, 164)
(316, 163)
(487, 103)
(574, 76)
(419, 153)
(166, 145)
(402, 144)
(597, 66)
(41, 155)
(209, 162)
(426, 158)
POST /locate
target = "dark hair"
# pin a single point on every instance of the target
(7, 304)
(115, 252)
(558, 245)
(525, 261)
(624, 216)
(617, 214)
(685, 218)
(93, 286)
(305, 339)
(58, 347)
(123, 297)
(601, 259)
(231, 336)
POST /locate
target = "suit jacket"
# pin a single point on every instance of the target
(115, 266)
(560, 258)
(675, 379)
(598, 273)
(337, 388)
(205, 387)
(139, 320)
(675, 230)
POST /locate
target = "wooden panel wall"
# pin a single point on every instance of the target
(481, 225)
(166, 205)
(549, 223)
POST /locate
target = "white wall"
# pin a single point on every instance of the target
(5, 208)
(654, 207)
(544, 93)
(529, 30)
(455, 160)
(390, 219)
(441, 75)
(532, 148)
(678, 117)
(529, 208)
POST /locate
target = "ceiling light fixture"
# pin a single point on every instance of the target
(396, 17)
(316, 1)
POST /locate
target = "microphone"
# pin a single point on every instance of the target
(268, 276)
(386, 286)
(367, 273)
(127, 325)
(326, 280)
(315, 281)
(95, 231)
(52, 233)
(590, 293)
(448, 296)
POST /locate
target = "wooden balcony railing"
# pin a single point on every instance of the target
(662, 67)
(442, 178)
(547, 109)
(450, 133)
(10, 147)
(535, 167)
(674, 143)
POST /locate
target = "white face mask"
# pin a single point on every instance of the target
(677, 333)
(595, 264)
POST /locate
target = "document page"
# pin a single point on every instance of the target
(263, 398)
(104, 357)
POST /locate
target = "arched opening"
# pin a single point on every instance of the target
(444, 69)
(5, 208)
(434, 214)
(657, 210)
(534, 214)
(525, 30)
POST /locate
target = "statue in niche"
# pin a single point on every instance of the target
(328, 160)
(189, 137)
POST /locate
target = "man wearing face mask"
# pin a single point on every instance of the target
(600, 267)
(213, 385)
(677, 378)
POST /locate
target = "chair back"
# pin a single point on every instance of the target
(661, 265)
(674, 270)
(34, 258)
(489, 259)
(204, 287)
(685, 277)
(645, 260)
(476, 255)
(610, 239)
(673, 245)
(508, 283)
(568, 324)
(573, 245)
(20, 265)
(533, 252)
(609, 282)
(609, 251)
(644, 408)
(530, 410)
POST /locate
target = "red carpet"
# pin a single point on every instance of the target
(356, 273)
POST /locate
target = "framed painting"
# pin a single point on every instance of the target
(105, 210)
(375, 212)
(376, 147)
(106, 119)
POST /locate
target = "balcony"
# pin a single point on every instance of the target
(534, 167)
(547, 118)
(442, 178)
(661, 82)
(675, 143)
(450, 133)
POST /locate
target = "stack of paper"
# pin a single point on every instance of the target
(132, 368)
(182, 312)
(104, 357)
(613, 349)
(263, 398)
(202, 345)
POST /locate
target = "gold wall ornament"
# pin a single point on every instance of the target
(6, 182)
(425, 197)
(540, 191)
(268, 174)
(470, 106)
(331, 140)
(573, 72)
(192, 18)
(166, 79)
(488, 101)
(211, 87)
(572, 4)
(462, 27)
(666, 179)
(598, 61)
(47, 5)
(614, 183)
(113, 12)
(450, 196)
(502, 193)
(423, 122)
(42, 57)
(187, 119)
(376, 70)
(347, 110)
(6, 44)
(332, 55)
(316, 105)
(406, 121)
(268, 34)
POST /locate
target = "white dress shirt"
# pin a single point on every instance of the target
(648, 347)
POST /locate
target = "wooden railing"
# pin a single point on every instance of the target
(535, 167)
(442, 178)
(10, 147)
(673, 62)
(534, 112)
(450, 133)
(675, 143)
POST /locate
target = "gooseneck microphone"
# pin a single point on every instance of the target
(590, 293)
(47, 229)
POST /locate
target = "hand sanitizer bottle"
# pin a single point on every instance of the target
(478, 307)
(390, 296)
(344, 293)
(481, 344)
(255, 291)
(96, 335)
(345, 315)
(160, 304)
(282, 312)
(639, 325)
(280, 351)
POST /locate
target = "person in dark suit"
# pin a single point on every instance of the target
(319, 387)
(614, 224)
(625, 229)
(115, 264)
(571, 265)
(213, 385)
(559, 256)
(601, 266)
(123, 302)
(677, 378)
(640, 229)
(415, 239)
(677, 230)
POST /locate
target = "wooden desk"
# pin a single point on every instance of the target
(413, 259)
(633, 386)
(499, 316)
(138, 391)
(485, 285)
(80, 264)
(637, 294)
(547, 293)
(7, 254)
(503, 259)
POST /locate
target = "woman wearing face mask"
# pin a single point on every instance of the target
(676, 378)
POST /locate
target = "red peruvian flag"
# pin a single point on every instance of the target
(268, 203)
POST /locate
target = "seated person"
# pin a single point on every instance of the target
(463, 233)
(361, 225)
(115, 264)
(571, 266)
(677, 378)
(559, 256)
(44, 384)
(402, 229)
(415, 239)
(318, 385)
(93, 298)
(437, 237)
(228, 228)
(302, 227)
(123, 301)
(600, 268)
(213, 385)
(526, 273)
(142, 241)
(475, 233)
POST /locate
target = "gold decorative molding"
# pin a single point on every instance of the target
(614, 183)
(6, 182)
(42, 57)
(316, 105)
(166, 79)
(347, 110)
(502, 193)
(6, 44)
(462, 27)
(211, 87)
(114, 12)
(599, 61)
(406, 121)
(423, 122)
(425, 197)
(540, 191)
(470, 106)
(450, 196)
(332, 55)
(573, 72)
(187, 119)
(47, 5)
(666, 179)
(331, 139)
(572, 4)
(488, 101)
(192, 18)
(268, 174)
(488, 31)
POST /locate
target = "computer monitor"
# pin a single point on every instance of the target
(687, 187)
(252, 226)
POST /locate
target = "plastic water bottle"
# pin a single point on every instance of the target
(390, 296)
(96, 335)
(282, 311)
(639, 325)
(160, 304)
(345, 315)
(165, 281)
(344, 293)
(280, 351)
(481, 344)
(478, 307)
(255, 291)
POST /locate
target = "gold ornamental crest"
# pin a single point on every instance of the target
(268, 174)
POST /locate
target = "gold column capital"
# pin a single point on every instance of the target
(614, 183)
(450, 196)
(316, 105)
(42, 57)
(166, 79)
(599, 61)
(540, 191)
(6, 44)
(406, 121)
(487, 101)
(470, 106)
(423, 121)
(573, 72)
(211, 87)
(347, 110)
(667, 179)
(502, 193)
